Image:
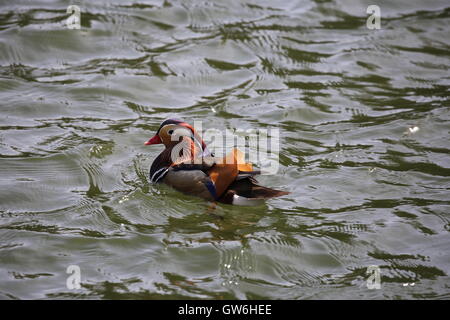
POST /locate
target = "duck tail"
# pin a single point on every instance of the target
(246, 192)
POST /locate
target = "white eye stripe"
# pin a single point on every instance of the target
(178, 131)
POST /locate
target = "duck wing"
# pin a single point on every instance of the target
(193, 182)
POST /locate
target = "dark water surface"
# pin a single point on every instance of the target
(367, 187)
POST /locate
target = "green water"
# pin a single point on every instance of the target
(76, 107)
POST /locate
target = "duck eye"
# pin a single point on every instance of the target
(170, 131)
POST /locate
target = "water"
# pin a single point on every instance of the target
(367, 187)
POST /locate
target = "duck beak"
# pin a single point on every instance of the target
(155, 140)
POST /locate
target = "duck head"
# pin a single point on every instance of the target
(172, 131)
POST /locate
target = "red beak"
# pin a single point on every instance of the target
(155, 140)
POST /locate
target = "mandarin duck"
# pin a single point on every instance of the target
(187, 165)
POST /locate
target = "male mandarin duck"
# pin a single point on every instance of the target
(187, 165)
